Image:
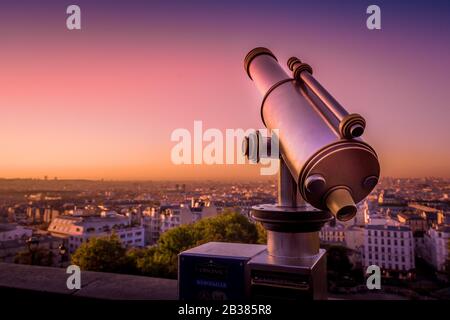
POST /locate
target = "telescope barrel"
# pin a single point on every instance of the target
(265, 70)
(350, 125)
(332, 170)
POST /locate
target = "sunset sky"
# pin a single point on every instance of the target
(102, 102)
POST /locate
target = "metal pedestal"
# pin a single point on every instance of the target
(275, 278)
(293, 267)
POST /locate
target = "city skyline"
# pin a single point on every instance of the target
(76, 104)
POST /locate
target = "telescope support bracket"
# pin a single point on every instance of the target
(293, 265)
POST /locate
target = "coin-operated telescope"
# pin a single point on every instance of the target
(325, 168)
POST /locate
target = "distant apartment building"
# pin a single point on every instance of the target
(436, 249)
(361, 217)
(156, 221)
(34, 214)
(390, 205)
(333, 234)
(79, 229)
(434, 217)
(152, 225)
(416, 222)
(174, 216)
(14, 232)
(391, 247)
(41, 214)
(50, 214)
(354, 238)
(9, 249)
(11, 212)
(349, 234)
(390, 200)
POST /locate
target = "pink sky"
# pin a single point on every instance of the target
(102, 102)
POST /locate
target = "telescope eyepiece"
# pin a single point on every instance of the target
(352, 126)
(356, 130)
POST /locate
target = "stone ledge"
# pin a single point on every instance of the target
(95, 285)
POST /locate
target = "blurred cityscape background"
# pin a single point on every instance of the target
(139, 227)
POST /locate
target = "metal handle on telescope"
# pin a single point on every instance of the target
(255, 146)
(350, 125)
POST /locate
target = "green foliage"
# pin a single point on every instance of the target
(262, 233)
(155, 263)
(104, 255)
(338, 261)
(40, 257)
(227, 227)
(161, 260)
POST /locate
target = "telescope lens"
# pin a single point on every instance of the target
(340, 202)
(346, 213)
(356, 130)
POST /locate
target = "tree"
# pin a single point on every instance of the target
(338, 261)
(154, 263)
(162, 260)
(262, 233)
(104, 255)
(40, 257)
(226, 227)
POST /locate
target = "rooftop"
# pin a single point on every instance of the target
(444, 229)
(388, 227)
(411, 216)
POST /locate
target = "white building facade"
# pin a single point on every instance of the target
(78, 230)
(333, 234)
(156, 221)
(14, 232)
(437, 241)
(391, 248)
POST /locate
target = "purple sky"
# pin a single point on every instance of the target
(102, 102)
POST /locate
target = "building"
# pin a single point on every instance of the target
(391, 247)
(12, 215)
(354, 238)
(14, 232)
(152, 225)
(79, 229)
(433, 216)
(50, 214)
(415, 221)
(354, 241)
(156, 221)
(437, 243)
(9, 249)
(389, 205)
(174, 216)
(333, 234)
(362, 215)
